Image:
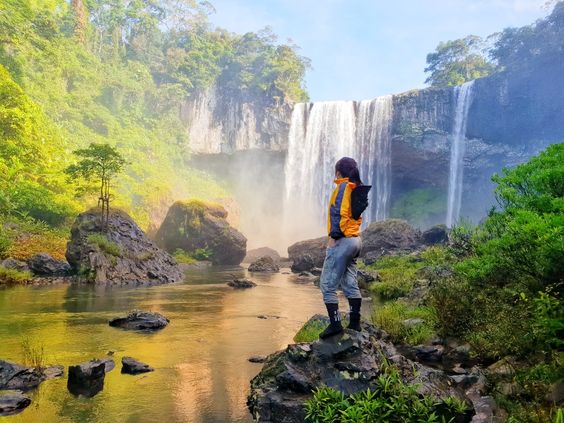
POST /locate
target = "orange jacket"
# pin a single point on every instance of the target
(339, 219)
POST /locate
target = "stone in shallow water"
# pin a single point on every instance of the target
(87, 379)
(264, 264)
(257, 359)
(13, 403)
(19, 377)
(131, 366)
(140, 320)
(241, 283)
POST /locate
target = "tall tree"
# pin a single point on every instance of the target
(80, 20)
(456, 62)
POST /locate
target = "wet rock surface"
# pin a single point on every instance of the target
(195, 225)
(264, 264)
(13, 403)
(131, 366)
(87, 379)
(43, 264)
(122, 255)
(349, 362)
(140, 320)
(19, 377)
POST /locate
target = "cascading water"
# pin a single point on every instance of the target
(463, 101)
(320, 134)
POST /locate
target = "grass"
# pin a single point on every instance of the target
(183, 257)
(390, 317)
(310, 331)
(105, 244)
(398, 275)
(13, 276)
(33, 353)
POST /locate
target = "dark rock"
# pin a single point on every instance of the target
(350, 363)
(268, 316)
(257, 359)
(13, 403)
(264, 264)
(316, 271)
(132, 367)
(193, 225)
(123, 255)
(22, 378)
(241, 283)
(437, 234)
(87, 379)
(366, 278)
(391, 236)
(306, 255)
(429, 353)
(140, 320)
(43, 264)
(556, 392)
(11, 263)
(253, 255)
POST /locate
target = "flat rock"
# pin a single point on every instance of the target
(19, 377)
(140, 320)
(241, 283)
(132, 366)
(13, 403)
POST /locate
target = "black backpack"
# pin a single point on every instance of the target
(359, 200)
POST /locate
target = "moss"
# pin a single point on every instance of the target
(105, 244)
(398, 276)
(310, 331)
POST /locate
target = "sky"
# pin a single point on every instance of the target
(362, 49)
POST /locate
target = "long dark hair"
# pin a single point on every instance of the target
(349, 169)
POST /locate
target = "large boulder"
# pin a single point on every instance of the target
(437, 234)
(43, 264)
(254, 255)
(308, 254)
(121, 255)
(194, 225)
(131, 366)
(349, 363)
(388, 237)
(264, 264)
(87, 379)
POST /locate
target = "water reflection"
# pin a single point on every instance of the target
(202, 373)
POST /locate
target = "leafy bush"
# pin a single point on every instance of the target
(5, 244)
(391, 316)
(13, 276)
(391, 401)
(398, 275)
(105, 244)
(183, 257)
(202, 254)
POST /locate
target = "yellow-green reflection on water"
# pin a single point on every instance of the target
(202, 373)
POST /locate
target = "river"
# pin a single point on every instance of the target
(201, 358)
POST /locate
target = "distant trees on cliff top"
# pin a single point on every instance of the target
(514, 49)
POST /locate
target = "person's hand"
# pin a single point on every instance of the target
(330, 242)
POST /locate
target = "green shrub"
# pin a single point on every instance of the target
(391, 316)
(398, 275)
(392, 400)
(183, 257)
(5, 244)
(202, 254)
(452, 301)
(105, 244)
(13, 276)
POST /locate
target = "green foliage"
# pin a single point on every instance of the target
(13, 276)
(105, 244)
(310, 331)
(421, 207)
(398, 275)
(391, 316)
(392, 400)
(202, 254)
(33, 353)
(183, 257)
(456, 62)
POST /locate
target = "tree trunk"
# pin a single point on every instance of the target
(80, 20)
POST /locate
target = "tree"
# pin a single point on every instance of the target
(456, 62)
(99, 164)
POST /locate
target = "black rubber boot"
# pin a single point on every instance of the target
(354, 315)
(335, 326)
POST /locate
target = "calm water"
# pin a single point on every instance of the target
(202, 374)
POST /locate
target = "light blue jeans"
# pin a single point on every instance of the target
(339, 268)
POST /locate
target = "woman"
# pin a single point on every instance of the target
(343, 247)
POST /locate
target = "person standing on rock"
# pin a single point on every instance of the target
(343, 226)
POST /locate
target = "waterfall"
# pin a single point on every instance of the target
(463, 95)
(320, 134)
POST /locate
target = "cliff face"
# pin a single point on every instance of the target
(221, 121)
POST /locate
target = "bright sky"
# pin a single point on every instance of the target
(361, 48)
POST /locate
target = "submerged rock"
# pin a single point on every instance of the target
(87, 379)
(308, 254)
(140, 320)
(196, 225)
(13, 403)
(122, 255)
(43, 264)
(350, 362)
(131, 366)
(22, 378)
(241, 283)
(264, 264)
